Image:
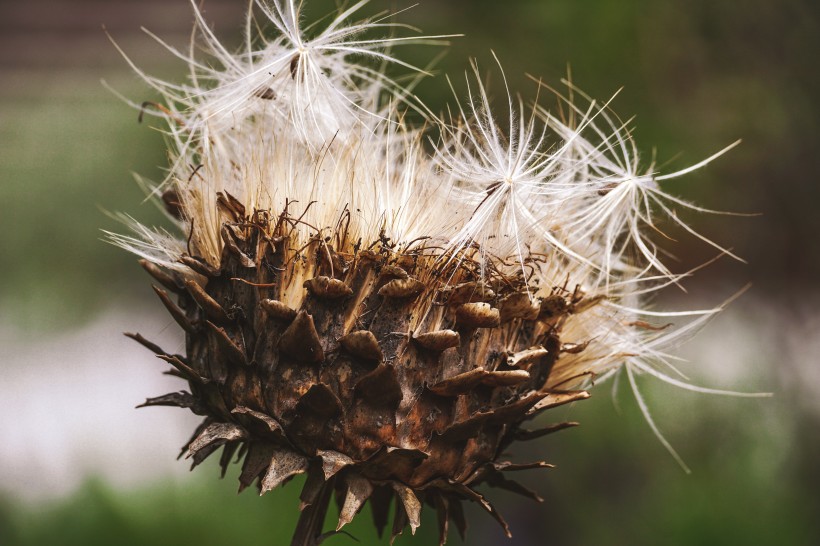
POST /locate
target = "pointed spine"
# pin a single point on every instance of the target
(176, 313)
(209, 306)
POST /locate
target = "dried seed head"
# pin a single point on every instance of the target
(378, 317)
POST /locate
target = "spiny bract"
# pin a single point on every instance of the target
(381, 305)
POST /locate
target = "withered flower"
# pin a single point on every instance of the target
(378, 308)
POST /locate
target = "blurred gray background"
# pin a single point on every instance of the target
(78, 465)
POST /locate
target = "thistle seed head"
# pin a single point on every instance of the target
(383, 305)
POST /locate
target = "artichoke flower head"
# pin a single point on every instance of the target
(385, 306)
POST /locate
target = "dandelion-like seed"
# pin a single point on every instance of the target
(380, 306)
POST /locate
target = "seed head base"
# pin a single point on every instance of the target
(379, 371)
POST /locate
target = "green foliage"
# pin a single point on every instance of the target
(68, 153)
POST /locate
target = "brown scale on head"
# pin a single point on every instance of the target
(375, 379)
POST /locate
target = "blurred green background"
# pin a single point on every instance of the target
(79, 466)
